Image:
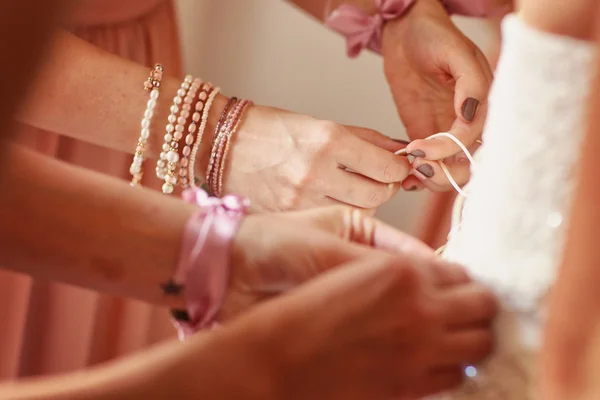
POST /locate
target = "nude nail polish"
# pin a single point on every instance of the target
(426, 170)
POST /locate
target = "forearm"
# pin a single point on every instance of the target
(576, 18)
(234, 362)
(321, 9)
(64, 223)
(88, 94)
(574, 319)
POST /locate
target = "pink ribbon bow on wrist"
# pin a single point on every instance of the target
(365, 31)
(362, 30)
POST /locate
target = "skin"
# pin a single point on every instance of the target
(569, 364)
(307, 159)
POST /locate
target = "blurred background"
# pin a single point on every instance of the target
(268, 51)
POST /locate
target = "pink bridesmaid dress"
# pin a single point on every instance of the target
(47, 327)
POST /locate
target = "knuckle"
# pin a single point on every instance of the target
(375, 199)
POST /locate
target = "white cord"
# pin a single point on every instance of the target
(458, 204)
(442, 164)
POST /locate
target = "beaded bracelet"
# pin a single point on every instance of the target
(219, 130)
(221, 145)
(152, 84)
(238, 121)
(192, 128)
(204, 120)
(175, 129)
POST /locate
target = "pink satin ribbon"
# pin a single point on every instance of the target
(364, 31)
(205, 257)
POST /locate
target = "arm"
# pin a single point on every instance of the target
(88, 94)
(231, 363)
(69, 224)
(570, 337)
(321, 9)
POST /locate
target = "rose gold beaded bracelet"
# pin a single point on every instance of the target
(219, 131)
(235, 126)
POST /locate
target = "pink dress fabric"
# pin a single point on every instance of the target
(50, 328)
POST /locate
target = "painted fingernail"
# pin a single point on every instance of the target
(469, 108)
(401, 141)
(411, 189)
(418, 153)
(426, 170)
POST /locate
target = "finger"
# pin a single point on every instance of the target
(465, 347)
(357, 226)
(412, 184)
(470, 104)
(447, 274)
(436, 381)
(315, 201)
(433, 177)
(370, 160)
(359, 191)
(377, 138)
(470, 304)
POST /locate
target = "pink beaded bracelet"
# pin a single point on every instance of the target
(205, 258)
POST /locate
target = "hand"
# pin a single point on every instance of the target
(284, 161)
(439, 80)
(274, 253)
(379, 327)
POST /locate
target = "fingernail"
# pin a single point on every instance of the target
(418, 153)
(469, 108)
(401, 141)
(426, 170)
(411, 189)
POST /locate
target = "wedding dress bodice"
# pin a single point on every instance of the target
(513, 221)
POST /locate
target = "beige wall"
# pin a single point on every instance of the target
(268, 51)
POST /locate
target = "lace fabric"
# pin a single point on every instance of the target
(511, 232)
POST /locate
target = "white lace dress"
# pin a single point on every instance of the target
(513, 221)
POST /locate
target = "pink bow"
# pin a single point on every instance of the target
(362, 30)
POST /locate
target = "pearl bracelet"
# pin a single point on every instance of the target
(191, 166)
(152, 84)
(169, 157)
(189, 139)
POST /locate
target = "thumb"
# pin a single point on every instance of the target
(472, 75)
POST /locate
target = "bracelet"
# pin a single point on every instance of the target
(235, 126)
(219, 131)
(175, 129)
(205, 259)
(192, 165)
(219, 145)
(197, 118)
(152, 84)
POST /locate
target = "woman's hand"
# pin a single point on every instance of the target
(274, 253)
(379, 327)
(284, 161)
(439, 80)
